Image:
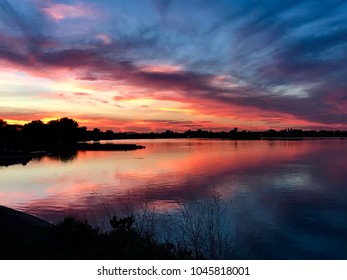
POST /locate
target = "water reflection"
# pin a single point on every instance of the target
(289, 196)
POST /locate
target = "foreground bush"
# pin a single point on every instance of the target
(123, 241)
(198, 229)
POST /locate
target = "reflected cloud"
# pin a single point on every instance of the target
(282, 192)
(177, 169)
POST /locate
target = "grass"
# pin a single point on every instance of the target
(201, 227)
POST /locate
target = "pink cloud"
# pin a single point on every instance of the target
(81, 94)
(63, 11)
(337, 100)
(104, 38)
(206, 95)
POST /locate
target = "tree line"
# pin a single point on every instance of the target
(65, 131)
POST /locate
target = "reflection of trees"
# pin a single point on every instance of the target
(24, 159)
(21, 144)
(64, 157)
(13, 161)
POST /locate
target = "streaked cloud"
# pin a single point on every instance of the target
(252, 64)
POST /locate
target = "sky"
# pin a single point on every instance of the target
(153, 65)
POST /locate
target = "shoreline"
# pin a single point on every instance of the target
(25, 155)
(24, 236)
(27, 237)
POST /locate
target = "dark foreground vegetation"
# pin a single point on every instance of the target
(27, 237)
(197, 230)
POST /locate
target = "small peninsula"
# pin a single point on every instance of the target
(58, 138)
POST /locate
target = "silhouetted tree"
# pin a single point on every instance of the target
(109, 134)
(9, 134)
(96, 134)
(2, 134)
(64, 130)
(233, 133)
(34, 132)
(82, 133)
(2, 123)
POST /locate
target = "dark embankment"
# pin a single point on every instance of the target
(27, 237)
(23, 236)
(61, 138)
(106, 147)
(11, 157)
(24, 154)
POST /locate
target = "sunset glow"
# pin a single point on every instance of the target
(156, 65)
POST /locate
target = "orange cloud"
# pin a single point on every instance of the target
(161, 68)
(171, 94)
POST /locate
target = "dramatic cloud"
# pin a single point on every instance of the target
(252, 64)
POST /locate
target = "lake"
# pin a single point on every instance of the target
(288, 198)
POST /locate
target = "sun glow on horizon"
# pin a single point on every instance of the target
(115, 64)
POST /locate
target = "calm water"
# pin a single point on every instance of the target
(289, 198)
